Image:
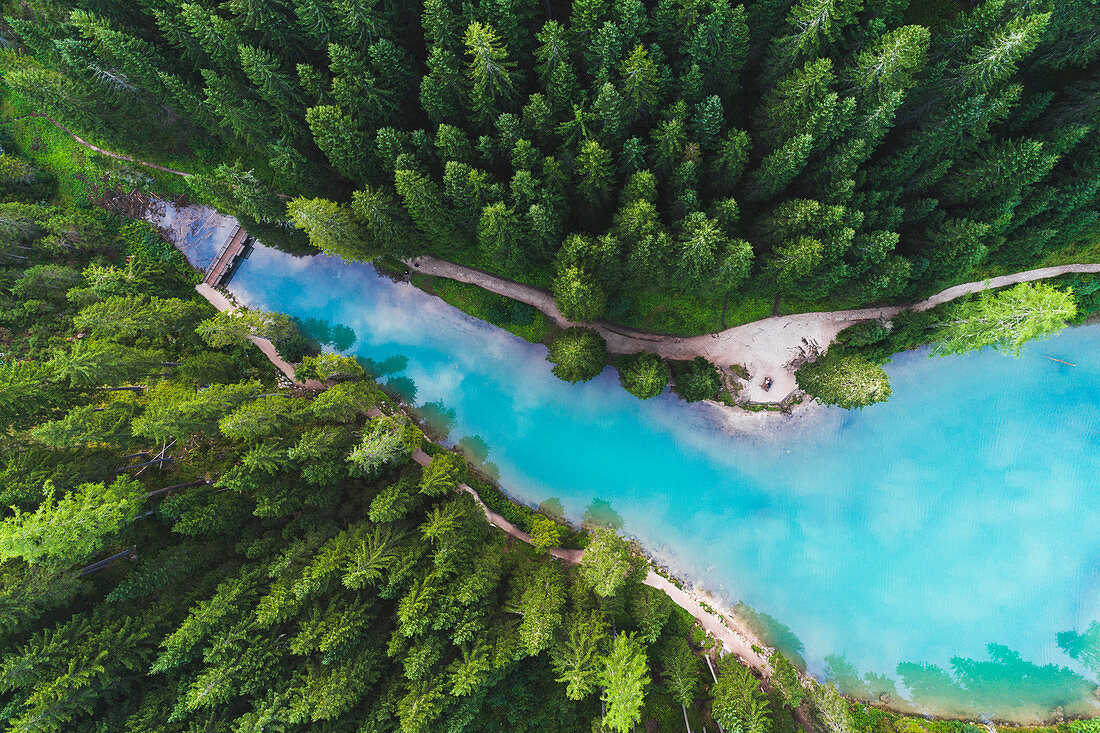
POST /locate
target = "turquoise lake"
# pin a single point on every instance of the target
(933, 547)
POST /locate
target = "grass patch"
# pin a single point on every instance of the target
(75, 165)
(682, 314)
(871, 719)
(1086, 251)
(519, 319)
(672, 313)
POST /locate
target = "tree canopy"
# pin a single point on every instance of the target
(707, 154)
(1005, 320)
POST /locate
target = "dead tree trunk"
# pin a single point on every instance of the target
(162, 461)
(166, 489)
(129, 554)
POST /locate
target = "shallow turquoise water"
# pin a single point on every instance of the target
(960, 514)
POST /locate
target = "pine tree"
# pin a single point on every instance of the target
(424, 203)
(247, 118)
(719, 46)
(540, 606)
(67, 530)
(331, 228)
(274, 85)
(777, 170)
(596, 171)
(625, 676)
(218, 37)
(384, 224)
(499, 237)
(701, 243)
(238, 191)
(489, 71)
(643, 375)
(578, 354)
(338, 136)
(578, 296)
(640, 82)
(1006, 320)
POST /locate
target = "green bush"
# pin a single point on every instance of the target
(494, 498)
(578, 296)
(145, 243)
(863, 334)
(696, 380)
(844, 379)
(22, 181)
(643, 375)
(578, 354)
(1086, 291)
(209, 367)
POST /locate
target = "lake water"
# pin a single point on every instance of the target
(933, 547)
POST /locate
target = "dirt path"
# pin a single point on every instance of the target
(765, 347)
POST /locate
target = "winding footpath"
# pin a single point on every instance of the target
(767, 348)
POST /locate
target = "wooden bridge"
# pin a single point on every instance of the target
(236, 245)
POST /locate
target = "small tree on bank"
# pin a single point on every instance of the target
(608, 563)
(643, 375)
(578, 354)
(696, 380)
(1006, 320)
(847, 380)
(578, 296)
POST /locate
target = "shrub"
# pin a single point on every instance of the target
(296, 347)
(545, 533)
(578, 354)
(696, 380)
(209, 367)
(863, 334)
(910, 329)
(643, 375)
(324, 367)
(21, 181)
(145, 243)
(847, 380)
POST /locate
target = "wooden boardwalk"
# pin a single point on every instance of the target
(234, 246)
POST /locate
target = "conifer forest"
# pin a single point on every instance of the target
(191, 542)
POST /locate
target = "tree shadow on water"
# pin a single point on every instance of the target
(338, 336)
(600, 514)
(1085, 648)
(403, 387)
(392, 365)
(868, 686)
(1001, 685)
(476, 451)
(773, 633)
(553, 508)
(439, 417)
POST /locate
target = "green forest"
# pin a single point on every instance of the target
(675, 165)
(190, 542)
